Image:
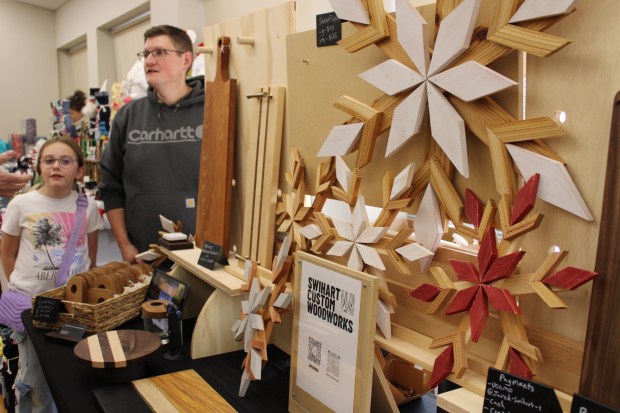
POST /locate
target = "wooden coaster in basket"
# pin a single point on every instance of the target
(98, 295)
(76, 289)
(117, 265)
(90, 278)
(108, 282)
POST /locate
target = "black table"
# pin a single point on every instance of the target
(74, 384)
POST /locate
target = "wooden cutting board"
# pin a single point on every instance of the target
(216, 162)
(117, 348)
(170, 393)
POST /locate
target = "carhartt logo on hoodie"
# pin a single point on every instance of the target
(182, 134)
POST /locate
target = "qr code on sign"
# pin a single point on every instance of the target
(333, 364)
(314, 351)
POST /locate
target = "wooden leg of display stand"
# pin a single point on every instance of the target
(215, 312)
(212, 334)
(382, 400)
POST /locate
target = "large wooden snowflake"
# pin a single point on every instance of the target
(453, 80)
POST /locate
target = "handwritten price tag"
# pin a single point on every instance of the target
(328, 29)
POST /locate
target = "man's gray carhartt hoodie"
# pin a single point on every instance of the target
(151, 165)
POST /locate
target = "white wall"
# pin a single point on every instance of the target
(86, 17)
(32, 80)
(28, 73)
(217, 11)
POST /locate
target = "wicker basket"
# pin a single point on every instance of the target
(96, 317)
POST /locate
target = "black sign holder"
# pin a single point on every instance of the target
(513, 394)
(582, 404)
(46, 309)
(328, 29)
(211, 255)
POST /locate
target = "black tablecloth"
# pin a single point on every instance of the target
(74, 384)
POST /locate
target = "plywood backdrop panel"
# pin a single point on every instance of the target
(319, 76)
(580, 79)
(257, 65)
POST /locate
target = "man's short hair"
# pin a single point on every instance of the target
(179, 37)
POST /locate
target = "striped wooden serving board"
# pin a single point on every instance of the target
(169, 393)
(117, 348)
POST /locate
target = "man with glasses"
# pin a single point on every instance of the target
(151, 165)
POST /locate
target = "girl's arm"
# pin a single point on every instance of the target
(9, 247)
(93, 243)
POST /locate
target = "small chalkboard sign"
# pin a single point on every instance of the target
(582, 404)
(506, 393)
(328, 29)
(212, 254)
(45, 309)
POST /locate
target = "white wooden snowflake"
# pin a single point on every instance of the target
(358, 235)
(468, 81)
(251, 323)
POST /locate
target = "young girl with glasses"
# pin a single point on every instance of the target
(35, 233)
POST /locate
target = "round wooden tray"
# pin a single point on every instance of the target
(117, 348)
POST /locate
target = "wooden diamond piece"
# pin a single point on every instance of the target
(481, 81)
(425, 292)
(478, 314)
(465, 271)
(503, 267)
(487, 253)
(474, 209)
(454, 36)
(501, 299)
(525, 199)
(518, 366)
(463, 300)
(442, 367)
(570, 278)
(341, 140)
(535, 9)
(392, 77)
(412, 35)
(556, 185)
(352, 10)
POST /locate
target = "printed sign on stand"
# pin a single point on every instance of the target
(333, 331)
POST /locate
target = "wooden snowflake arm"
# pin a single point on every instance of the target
(376, 31)
(446, 193)
(372, 123)
(296, 170)
(548, 296)
(447, 290)
(530, 41)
